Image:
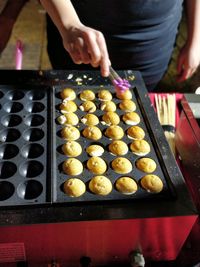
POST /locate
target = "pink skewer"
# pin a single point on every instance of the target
(18, 55)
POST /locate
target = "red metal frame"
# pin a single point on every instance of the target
(104, 241)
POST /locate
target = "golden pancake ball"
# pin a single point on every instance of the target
(131, 118)
(104, 95)
(92, 132)
(152, 183)
(87, 95)
(88, 106)
(96, 165)
(71, 119)
(114, 132)
(135, 132)
(110, 118)
(108, 106)
(68, 94)
(146, 165)
(90, 119)
(100, 185)
(74, 187)
(95, 150)
(140, 147)
(68, 107)
(70, 133)
(124, 95)
(118, 148)
(72, 149)
(72, 166)
(126, 185)
(121, 165)
(127, 105)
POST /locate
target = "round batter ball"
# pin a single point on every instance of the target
(68, 94)
(122, 165)
(152, 183)
(110, 118)
(90, 119)
(70, 133)
(71, 119)
(72, 149)
(68, 106)
(124, 95)
(87, 95)
(127, 105)
(72, 166)
(114, 132)
(95, 150)
(140, 147)
(96, 165)
(131, 118)
(108, 106)
(92, 132)
(126, 185)
(104, 95)
(100, 185)
(88, 106)
(118, 148)
(146, 165)
(136, 133)
(74, 187)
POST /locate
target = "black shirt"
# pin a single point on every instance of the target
(140, 34)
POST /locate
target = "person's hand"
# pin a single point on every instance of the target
(86, 45)
(188, 62)
(5, 31)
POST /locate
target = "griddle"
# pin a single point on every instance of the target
(30, 143)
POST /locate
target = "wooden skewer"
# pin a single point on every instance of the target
(166, 111)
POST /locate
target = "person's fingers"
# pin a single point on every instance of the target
(105, 62)
(190, 72)
(98, 51)
(74, 53)
(91, 38)
(181, 75)
(83, 51)
(185, 74)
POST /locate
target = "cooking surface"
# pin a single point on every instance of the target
(29, 145)
(40, 207)
(24, 145)
(86, 175)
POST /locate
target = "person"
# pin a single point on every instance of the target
(133, 34)
(129, 34)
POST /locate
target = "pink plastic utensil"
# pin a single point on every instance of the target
(18, 55)
(120, 84)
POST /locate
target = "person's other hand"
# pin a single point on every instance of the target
(5, 31)
(188, 62)
(86, 45)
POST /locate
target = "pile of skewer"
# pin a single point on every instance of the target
(166, 112)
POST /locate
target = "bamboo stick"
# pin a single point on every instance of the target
(166, 112)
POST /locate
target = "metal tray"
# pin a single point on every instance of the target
(24, 152)
(30, 156)
(59, 177)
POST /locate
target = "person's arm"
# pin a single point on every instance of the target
(189, 58)
(7, 20)
(84, 44)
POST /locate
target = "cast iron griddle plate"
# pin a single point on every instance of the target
(30, 154)
(24, 160)
(60, 177)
